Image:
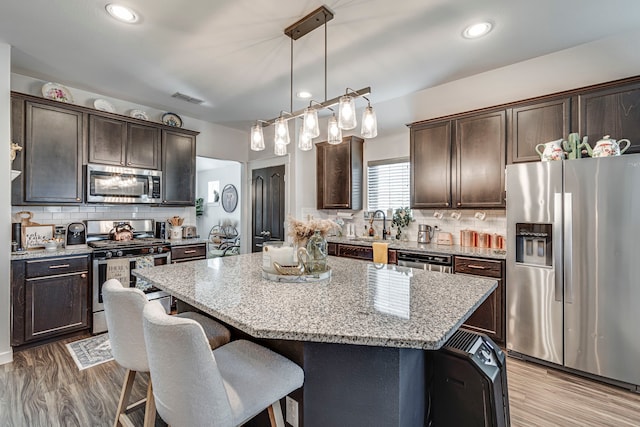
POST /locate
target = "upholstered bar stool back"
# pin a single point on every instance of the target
(194, 386)
(123, 309)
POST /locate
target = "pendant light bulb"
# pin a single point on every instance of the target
(310, 122)
(257, 137)
(333, 131)
(282, 131)
(347, 113)
(304, 139)
(369, 123)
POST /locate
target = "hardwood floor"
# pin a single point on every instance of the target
(43, 387)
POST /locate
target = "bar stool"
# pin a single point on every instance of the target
(194, 386)
(123, 309)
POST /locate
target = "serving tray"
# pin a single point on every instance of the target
(290, 278)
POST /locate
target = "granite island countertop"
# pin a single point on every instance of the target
(363, 303)
(431, 248)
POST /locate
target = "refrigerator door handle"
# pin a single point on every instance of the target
(557, 245)
(568, 247)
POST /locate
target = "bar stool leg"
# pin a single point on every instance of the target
(275, 414)
(127, 385)
(150, 408)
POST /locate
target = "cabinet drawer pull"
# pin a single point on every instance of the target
(191, 251)
(477, 267)
(53, 267)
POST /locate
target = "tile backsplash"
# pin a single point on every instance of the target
(495, 221)
(63, 215)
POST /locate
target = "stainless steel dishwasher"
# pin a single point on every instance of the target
(426, 261)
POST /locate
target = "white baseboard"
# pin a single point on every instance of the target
(6, 357)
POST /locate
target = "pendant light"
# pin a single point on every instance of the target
(369, 123)
(257, 137)
(347, 113)
(305, 142)
(310, 122)
(334, 133)
(310, 128)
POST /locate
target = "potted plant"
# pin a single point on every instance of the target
(401, 219)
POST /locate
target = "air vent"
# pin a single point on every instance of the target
(187, 98)
(462, 340)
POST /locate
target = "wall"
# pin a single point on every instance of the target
(216, 215)
(6, 353)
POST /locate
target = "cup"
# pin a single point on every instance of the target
(480, 215)
(437, 215)
(456, 215)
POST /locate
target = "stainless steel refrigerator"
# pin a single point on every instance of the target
(573, 264)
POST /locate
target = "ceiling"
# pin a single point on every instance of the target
(233, 54)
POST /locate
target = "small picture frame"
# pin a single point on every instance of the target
(34, 236)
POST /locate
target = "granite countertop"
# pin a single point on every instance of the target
(425, 247)
(43, 253)
(363, 303)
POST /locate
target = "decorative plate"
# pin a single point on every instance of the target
(139, 114)
(172, 119)
(229, 198)
(104, 105)
(57, 92)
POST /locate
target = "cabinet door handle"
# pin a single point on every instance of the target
(459, 203)
(191, 251)
(53, 267)
(83, 275)
(477, 267)
(77, 199)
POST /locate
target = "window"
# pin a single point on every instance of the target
(388, 184)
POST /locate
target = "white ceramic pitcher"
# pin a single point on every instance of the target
(552, 150)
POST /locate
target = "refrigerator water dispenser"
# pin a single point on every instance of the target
(533, 244)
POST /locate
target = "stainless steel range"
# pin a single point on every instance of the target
(117, 258)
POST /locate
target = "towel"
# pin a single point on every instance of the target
(144, 262)
(380, 253)
(119, 269)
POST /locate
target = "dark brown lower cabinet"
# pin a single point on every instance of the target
(50, 297)
(186, 253)
(489, 318)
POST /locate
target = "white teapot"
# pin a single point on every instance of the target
(609, 147)
(552, 150)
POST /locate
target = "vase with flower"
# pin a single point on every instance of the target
(402, 217)
(312, 235)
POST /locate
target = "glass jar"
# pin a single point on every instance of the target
(317, 253)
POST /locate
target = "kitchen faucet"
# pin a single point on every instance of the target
(384, 223)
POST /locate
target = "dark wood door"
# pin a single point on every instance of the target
(143, 146)
(530, 125)
(56, 305)
(53, 154)
(107, 140)
(613, 111)
(267, 206)
(178, 168)
(480, 154)
(430, 152)
(339, 172)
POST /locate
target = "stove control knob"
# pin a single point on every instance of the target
(151, 250)
(118, 253)
(108, 254)
(160, 249)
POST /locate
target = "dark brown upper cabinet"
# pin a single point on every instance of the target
(480, 161)
(339, 174)
(536, 123)
(52, 153)
(459, 163)
(430, 154)
(612, 110)
(120, 143)
(178, 168)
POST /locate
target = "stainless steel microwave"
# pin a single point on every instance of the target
(114, 184)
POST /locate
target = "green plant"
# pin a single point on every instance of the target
(199, 206)
(401, 219)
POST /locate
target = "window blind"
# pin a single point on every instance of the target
(388, 184)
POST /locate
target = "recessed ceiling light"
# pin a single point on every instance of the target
(121, 13)
(477, 30)
(303, 94)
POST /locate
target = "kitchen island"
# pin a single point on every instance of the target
(360, 336)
